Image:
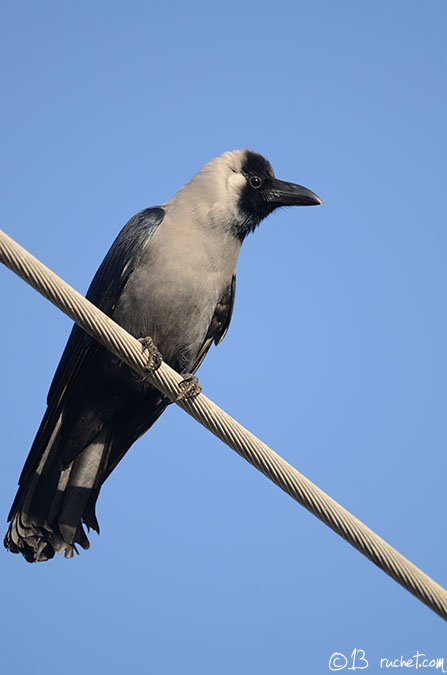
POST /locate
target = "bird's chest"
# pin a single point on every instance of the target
(172, 295)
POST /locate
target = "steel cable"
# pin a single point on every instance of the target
(254, 451)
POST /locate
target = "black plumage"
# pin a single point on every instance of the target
(170, 275)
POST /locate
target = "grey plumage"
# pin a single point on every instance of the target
(170, 275)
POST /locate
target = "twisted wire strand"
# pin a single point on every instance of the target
(213, 418)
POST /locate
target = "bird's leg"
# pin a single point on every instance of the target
(154, 357)
(189, 387)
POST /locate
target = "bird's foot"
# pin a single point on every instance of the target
(154, 357)
(189, 388)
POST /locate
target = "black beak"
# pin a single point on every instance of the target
(289, 194)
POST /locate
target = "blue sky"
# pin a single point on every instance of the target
(336, 356)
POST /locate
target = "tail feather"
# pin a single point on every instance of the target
(50, 506)
(84, 477)
(59, 489)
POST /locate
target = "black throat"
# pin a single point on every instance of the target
(253, 204)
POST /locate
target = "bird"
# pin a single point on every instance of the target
(169, 279)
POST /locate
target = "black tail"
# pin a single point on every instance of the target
(55, 500)
(52, 504)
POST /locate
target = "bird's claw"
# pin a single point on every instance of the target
(154, 357)
(189, 388)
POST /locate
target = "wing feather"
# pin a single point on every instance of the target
(104, 291)
(219, 323)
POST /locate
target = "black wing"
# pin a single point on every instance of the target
(220, 322)
(104, 292)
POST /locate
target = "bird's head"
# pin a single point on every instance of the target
(239, 189)
(261, 192)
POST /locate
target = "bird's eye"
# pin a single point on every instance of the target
(255, 182)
